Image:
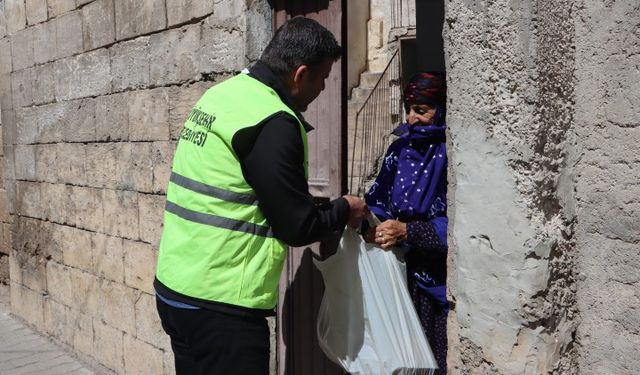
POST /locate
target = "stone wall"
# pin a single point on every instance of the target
(608, 185)
(94, 94)
(544, 117)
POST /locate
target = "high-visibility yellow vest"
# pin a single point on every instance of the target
(216, 244)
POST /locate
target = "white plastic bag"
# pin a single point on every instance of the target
(367, 323)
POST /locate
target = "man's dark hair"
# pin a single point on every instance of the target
(299, 41)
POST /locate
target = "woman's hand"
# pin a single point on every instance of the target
(388, 234)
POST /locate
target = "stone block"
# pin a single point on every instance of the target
(15, 273)
(83, 333)
(228, 14)
(56, 249)
(182, 99)
(86, 287)
(36, 11)
(51, 120)
(44, 42)
(77, 253)
(22, 87)
(149, 115)
(162, 159)
(121, 207)
(140, 357)
(44, 84)
(58, 208)
(64, 291)
(139, 265)
(83, 75)
(68, 34)
(25, 161)
(80, 125)
(181, 11)
(121, 302)
(148, 326)
(175, 55)
(57, 196)
(151, 213)
(28, 304)
(108, 255)
(6, 92)
(169, 362)
(58, 321)
(3, 25)
(6, 65)
(100, 165)
(59, 7)
(15, 14)
(5, 217)
(130, 64)
(112, 117)
(134, 170)
(7, 236)
(108, 346)
(88, 207)
(46, 157)
(138, 18)
(221, 50)
(70, 166)
(259, 29)
(28, 199)
(138, 170)
(98, 24)
(26, 126)
(33, 270)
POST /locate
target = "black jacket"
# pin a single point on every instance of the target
(272, 155)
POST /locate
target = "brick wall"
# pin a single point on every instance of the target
(93, 97)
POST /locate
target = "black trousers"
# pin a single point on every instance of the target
(207, 342)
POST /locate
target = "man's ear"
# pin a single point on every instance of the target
(299, 74)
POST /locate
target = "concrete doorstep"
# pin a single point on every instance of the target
(24, 351)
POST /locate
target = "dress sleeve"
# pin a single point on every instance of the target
(424, 235)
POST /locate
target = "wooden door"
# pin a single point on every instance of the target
(301, 285)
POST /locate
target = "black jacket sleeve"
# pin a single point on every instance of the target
(272, 157)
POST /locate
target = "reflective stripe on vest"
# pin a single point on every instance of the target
(216, 244)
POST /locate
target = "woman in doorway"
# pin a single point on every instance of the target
(409, 197)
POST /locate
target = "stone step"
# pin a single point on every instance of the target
(360, 94)
(369, 79)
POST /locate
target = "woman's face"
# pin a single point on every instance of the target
(421, 113)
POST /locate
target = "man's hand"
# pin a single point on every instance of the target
(358, 210)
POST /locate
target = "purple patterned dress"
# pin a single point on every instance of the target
(411, 187)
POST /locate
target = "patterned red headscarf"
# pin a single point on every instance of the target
(426, 88)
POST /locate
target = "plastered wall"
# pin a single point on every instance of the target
(544, 116)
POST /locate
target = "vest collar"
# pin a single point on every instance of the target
(262, 73)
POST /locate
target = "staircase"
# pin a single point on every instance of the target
(374, 110)
(359, 95)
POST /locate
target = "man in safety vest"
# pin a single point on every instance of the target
(237, 198)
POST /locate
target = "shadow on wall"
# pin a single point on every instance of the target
(299, 316)
(297, 7)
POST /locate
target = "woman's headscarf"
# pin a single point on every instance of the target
(426, 88)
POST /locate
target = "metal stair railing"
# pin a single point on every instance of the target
(379, 115)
